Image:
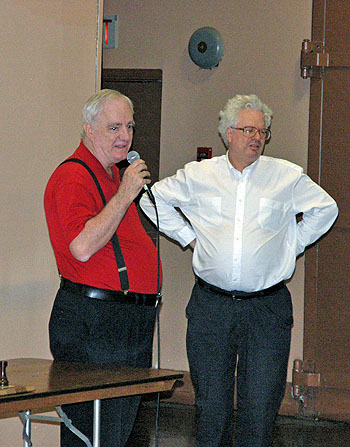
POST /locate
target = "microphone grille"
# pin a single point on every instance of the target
(133, 156)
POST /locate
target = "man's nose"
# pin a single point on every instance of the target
(124, 133)
(256, 138)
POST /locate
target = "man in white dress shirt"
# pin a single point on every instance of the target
(240, 211)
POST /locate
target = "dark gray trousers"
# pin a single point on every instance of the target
(93, 331)
(253, 336)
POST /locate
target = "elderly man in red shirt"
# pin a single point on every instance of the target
(105, 309)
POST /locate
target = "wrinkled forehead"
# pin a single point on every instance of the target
(116, 110)
(251, 117)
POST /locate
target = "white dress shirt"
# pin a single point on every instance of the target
(247, 235)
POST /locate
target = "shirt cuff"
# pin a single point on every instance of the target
(185, 236)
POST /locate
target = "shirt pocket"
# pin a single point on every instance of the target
(271, 213)
(210, 210)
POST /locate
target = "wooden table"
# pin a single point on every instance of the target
(58, 383)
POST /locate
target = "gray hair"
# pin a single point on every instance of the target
(95, 103)
(230, 115)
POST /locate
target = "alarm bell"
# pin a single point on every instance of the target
(206, 47)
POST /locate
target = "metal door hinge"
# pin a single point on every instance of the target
(305, 381)
(312, 59)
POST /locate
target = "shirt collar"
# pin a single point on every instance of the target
(246, 171)
(95, 164)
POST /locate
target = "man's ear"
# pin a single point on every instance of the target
(229, 132)
(88, 130)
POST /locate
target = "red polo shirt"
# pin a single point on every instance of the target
(71, 199)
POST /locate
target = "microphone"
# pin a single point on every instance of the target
(131, 157)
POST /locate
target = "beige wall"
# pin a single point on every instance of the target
(262, 49)
(47, 66)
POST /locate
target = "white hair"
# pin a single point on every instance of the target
(230, 115)
(95, 103)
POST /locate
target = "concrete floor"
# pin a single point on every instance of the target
(177, 429)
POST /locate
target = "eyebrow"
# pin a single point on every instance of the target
(120, 124)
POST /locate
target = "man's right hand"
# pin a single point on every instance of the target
(134, 178)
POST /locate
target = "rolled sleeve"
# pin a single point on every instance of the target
(319, 211)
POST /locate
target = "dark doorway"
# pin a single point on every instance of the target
(144, 88)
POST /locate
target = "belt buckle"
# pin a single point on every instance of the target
(234, 298)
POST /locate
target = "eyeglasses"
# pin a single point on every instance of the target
(250, 132)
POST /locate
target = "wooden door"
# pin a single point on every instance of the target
(144, 88)
(326, 60)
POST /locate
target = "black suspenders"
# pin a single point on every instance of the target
(123, 274)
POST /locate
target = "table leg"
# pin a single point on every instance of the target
(27, 426)
(68, 423)
(97, 423)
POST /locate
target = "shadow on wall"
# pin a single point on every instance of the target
(24, 315)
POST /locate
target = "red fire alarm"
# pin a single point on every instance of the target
(204, 153)
(110, 31)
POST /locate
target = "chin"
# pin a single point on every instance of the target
(256, 154)
(120, 156)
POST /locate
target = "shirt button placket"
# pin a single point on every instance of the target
(238, 230)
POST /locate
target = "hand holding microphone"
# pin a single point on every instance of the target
(131, 157)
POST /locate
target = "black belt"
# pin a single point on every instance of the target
(142, 299)
(238, 294)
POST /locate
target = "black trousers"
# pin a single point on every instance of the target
(252, 335)
(101, 332)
